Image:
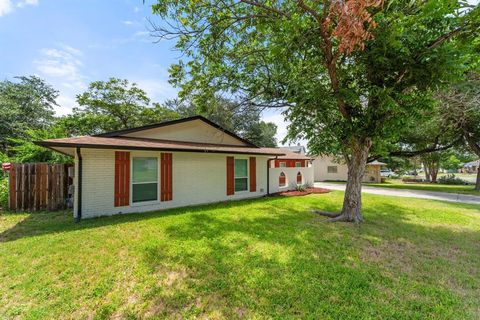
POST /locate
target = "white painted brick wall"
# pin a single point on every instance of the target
(197, 178)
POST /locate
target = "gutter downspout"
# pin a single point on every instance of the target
(268, 174)
(79, 187)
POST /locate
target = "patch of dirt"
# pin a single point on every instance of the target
(293, 193)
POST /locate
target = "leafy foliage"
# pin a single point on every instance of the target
(26, 151)
(243, 120)
(25, 104)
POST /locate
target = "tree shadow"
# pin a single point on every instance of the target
(45, 222)
(292, 263)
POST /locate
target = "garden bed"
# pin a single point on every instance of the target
(304, 192)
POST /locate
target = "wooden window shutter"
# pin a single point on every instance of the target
(122, 178)
(166, 189)
(230, 176)
(253, 174)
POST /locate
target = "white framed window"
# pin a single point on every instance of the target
(241, 175)
(332, 169)
(144, 179)
(283, 164)
(298, 164)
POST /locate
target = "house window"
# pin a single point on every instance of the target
(299, 178)
(282, 180)
(298, 164)
(241, 175)
(332, 169)
(144, 179)
(283, 164)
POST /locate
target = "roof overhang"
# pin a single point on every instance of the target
(69, 148)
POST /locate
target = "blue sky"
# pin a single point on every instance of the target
(71, 43)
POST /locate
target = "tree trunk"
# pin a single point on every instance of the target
(477, 185)
(427, 171)
(352, 202)
(434, 174)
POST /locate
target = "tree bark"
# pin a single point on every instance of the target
(477, 185)
(352, 201)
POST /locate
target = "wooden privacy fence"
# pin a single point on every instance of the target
(38, 186)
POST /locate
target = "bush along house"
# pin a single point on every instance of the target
(173, 164)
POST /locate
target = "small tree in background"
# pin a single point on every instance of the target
(27, 104)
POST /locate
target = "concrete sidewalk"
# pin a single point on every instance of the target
(422, 194)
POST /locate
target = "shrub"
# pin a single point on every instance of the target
(3, 193)
(451, 179)
(406, 179)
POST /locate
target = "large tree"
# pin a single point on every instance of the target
(25, 104)
(351, 73)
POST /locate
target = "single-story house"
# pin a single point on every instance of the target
(328, 168)
(289, 170)
(171, 164)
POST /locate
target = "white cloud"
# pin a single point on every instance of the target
(128, 22)
(136, 9)
(5, 7)
(62, 63)
(62, 66)
(24, 3)
(158, 90)
(279, 120)
(66, 102)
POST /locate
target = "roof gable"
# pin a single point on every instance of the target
(194, 129)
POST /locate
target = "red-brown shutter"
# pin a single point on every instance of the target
(122, 178)
(253, 174)
(230, 176)
(299, 178)
(166, 190)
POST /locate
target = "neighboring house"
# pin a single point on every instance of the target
(471, 167)
(172, 164)
(328, 168)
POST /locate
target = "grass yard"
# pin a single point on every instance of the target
(398, 184)
(265, 258)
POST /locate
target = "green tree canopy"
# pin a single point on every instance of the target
(26, 104)
(113, 105)
(242, 119)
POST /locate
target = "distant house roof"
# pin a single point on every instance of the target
(296, 149)
(287, 154)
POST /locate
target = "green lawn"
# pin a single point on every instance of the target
(398, 184)
(265, 258)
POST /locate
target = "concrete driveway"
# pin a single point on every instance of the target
(422, 194)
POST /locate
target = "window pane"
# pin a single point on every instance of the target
(332, 169)
(240, 167)
(144, 170)
(283, 164)
(144, 192)
(298, 164)
(241, 184)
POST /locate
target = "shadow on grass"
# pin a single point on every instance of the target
(292, 264)
(278, 259)
(40, 223)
